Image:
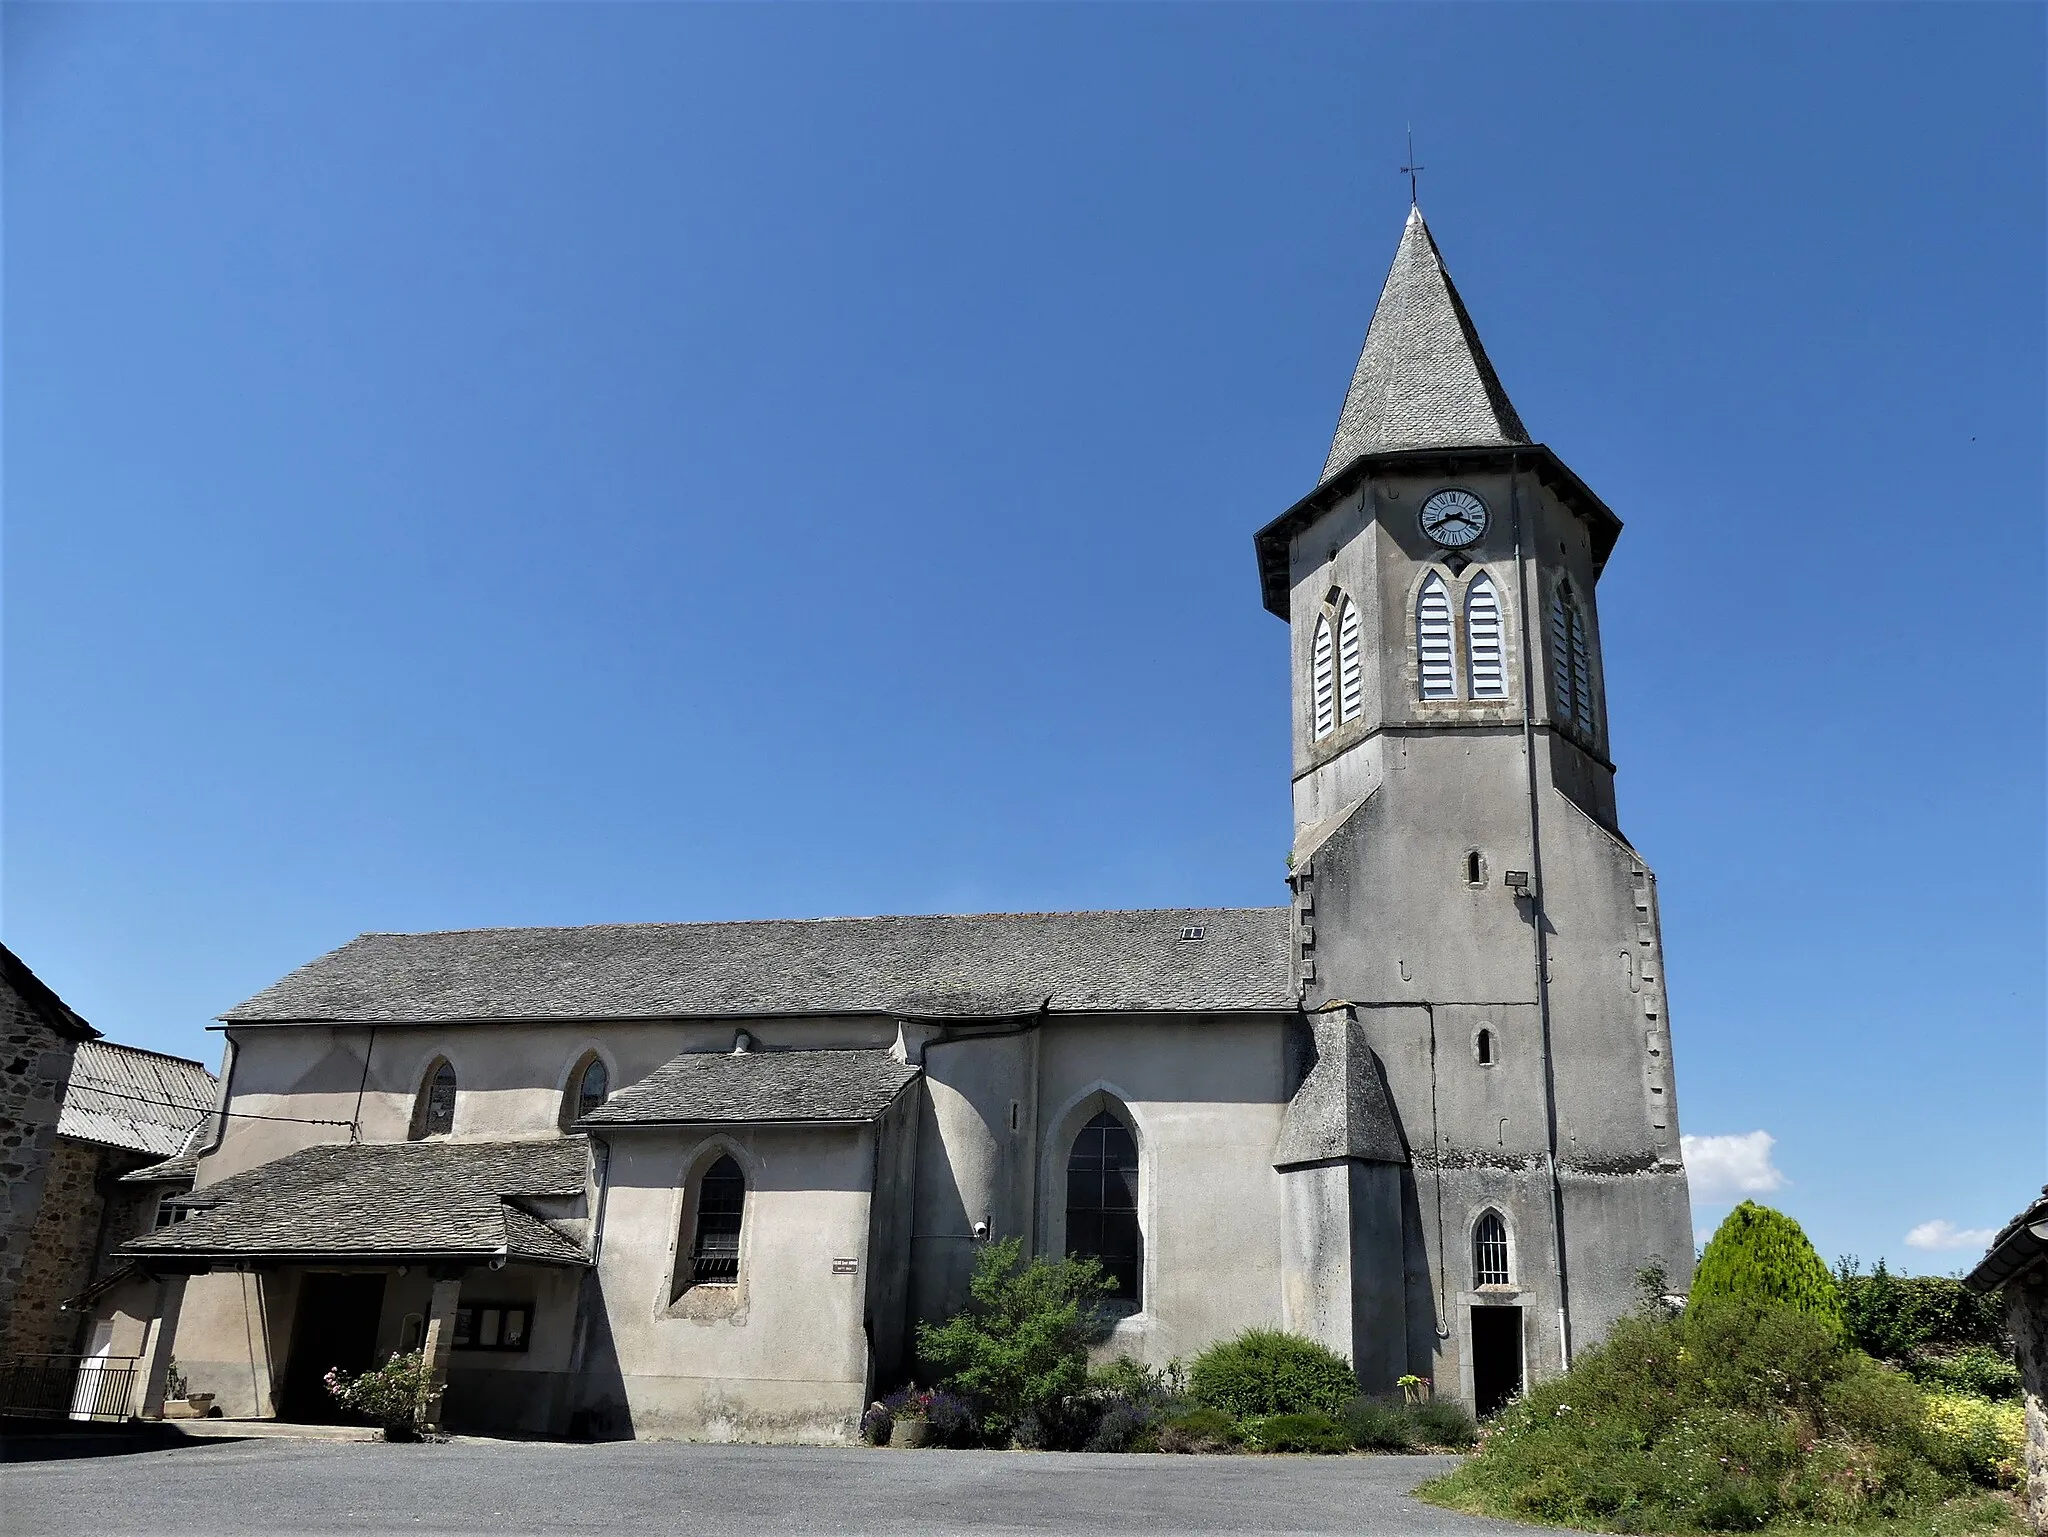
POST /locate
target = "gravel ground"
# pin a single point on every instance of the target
(227, 1488)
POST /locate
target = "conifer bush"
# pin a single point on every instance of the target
(1269, 1371)
(1758, 1255)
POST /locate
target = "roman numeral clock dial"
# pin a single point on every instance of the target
(1454, 518)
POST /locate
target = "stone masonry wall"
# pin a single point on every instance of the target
(2026, 1303)
(84, 1214)
(35, 1066)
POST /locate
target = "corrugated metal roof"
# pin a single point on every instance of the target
(144, 1101)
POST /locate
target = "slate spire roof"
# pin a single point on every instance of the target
(1423, 380)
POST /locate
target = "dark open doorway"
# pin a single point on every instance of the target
(1496, 1356)
(335, 1324)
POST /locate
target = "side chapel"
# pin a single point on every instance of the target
(702, 1180)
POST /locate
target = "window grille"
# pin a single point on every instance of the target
(1433, 639)
(721, 1204)
(1483, 639)
(1102, 1204)
(1350, 666)
(1322, 683)
(1490, 1251)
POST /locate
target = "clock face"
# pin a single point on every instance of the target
(1454, 518)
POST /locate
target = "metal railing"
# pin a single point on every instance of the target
(67, 1387)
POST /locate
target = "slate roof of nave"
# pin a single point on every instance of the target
(1423, 380)
(951, 965)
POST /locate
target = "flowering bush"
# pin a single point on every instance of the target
(949, 1415)
(392, 1395)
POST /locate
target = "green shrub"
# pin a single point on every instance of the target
(1268, 1371)
(1199, 1430)
(1898, 1318)
(1974, 1369)
(1988, 1439)
(1760, 1255)
(1728, 1417)
(1377, 1425)
(1310, 1432)
(1443, 1422)
(1020, 1351)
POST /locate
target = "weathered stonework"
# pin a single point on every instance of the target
(2026, 1311)
(38, 1035)
(84, 1213)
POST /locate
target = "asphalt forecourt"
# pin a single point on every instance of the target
(231, 1488)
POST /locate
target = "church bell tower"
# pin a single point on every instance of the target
(1468, 914)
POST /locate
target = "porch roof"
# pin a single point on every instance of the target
(385, 1202)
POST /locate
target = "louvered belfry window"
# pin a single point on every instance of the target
(721, 1204)
(1350, 665)
(1483, 650)
(1433, 639)
(1490, 1251)
(1571, 661)
(1322, 680)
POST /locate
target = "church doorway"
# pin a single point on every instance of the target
(1496, 1356)
(334, 1324)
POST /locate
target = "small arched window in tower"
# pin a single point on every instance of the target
(1483, 640)
(1350, 665)
(1482, 1047)
(1102, 1204)
(1433, 639)
(1571, 660)
(434, 1115)
(1322, 680)
(589, 1086)
(721, 1207)
(1490, 1251)
(1475, 869)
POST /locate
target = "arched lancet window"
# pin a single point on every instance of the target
(1433, 639)
(1490, 1251)
(1482, 1048)
(590, 1085)
(1483, 652)
(1322, 681)
(1102, 1204)
(434, 1114)
(1350, 665)
(721, 1207)
(1571, 660)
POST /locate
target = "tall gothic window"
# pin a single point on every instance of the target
(590, 1085)
(1350, 665)
(1322, 680)
(721, 1207)
(1483, 653)
(1102, 1204)
(1571, 661)
(434, 1114)
(1490, 1251)
(1433, 639)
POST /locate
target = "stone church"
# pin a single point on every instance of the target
(702, 1180)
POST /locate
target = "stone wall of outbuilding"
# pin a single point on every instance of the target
(2026, 1308)
(84, 1213)
(35, 1067)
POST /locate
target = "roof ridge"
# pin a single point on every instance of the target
(150, 1051)
(730, 923)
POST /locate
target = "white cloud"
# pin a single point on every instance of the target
(1944, 1234)
(1722, 1168)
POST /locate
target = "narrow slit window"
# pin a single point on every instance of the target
(1475, 873)
(1490, 1251)
(1483, 649)
(1350, 666)
(1483, 1045)
(1102, 1204)
(1433, 639)
(1322, 681)
(721, 1206)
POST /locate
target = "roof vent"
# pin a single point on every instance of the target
(742, 1043)
(1194, 931)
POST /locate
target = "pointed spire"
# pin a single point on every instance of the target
(1423, 380)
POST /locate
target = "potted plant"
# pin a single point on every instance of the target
(913, 1423)
(1414, 1389)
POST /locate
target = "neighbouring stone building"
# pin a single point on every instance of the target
(38, 1034)
(702, 1180)
(120, 1160)
(2016, 1265)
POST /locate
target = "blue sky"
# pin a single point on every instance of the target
(477, 465)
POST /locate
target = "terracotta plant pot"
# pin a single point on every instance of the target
(200, 1401)
(910, 1432)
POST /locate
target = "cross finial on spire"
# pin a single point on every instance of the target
(1411, 168)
